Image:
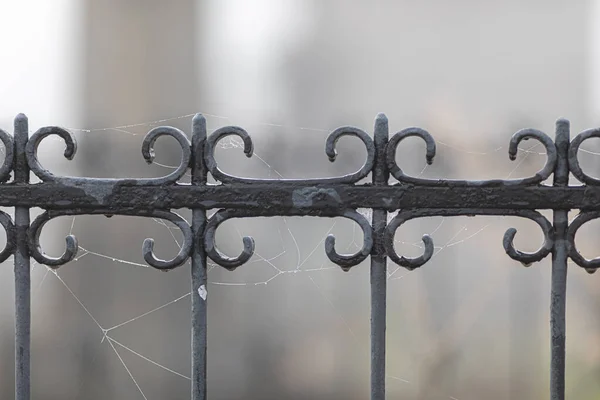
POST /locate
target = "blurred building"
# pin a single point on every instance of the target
(139, 64)
(470, 73)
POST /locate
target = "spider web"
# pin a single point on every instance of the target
(279, 262)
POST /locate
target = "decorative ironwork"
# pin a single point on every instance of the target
(525, 258)
(238, 197)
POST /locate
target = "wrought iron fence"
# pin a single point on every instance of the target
(238, 197)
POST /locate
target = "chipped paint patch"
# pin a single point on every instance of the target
(202, 292)
(305, 197)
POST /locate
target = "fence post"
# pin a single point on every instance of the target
(380, 177)
(199, 289)
(559, 269)
(22, 269)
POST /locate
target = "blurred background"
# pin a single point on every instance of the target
(470, 324)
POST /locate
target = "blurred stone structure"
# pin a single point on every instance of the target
(468, 72)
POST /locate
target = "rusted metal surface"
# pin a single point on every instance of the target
(275, 198)
(380, 177)
(558, 291)
(239, 197)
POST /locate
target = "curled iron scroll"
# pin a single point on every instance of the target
(71, 241)
(36, 250)
(330, 151)
(186, 152)
(412, 263)
(7, 164)
(230, 263)
(147, 152)
(11, 238)
(574, 166)
(590, 265)
(523, 134)
(34, 142)
(346, 261)
(184, 251)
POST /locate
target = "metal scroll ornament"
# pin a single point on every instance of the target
(380, 161)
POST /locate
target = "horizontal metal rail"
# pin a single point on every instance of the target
(290, 197)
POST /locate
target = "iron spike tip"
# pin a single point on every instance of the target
(199, 126)
(198, 118)
(381, 117)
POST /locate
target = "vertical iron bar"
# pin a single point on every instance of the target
(559, 270)
(380, 177)
(199, 289)
(22, 270)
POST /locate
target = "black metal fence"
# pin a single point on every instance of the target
(237, 197)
